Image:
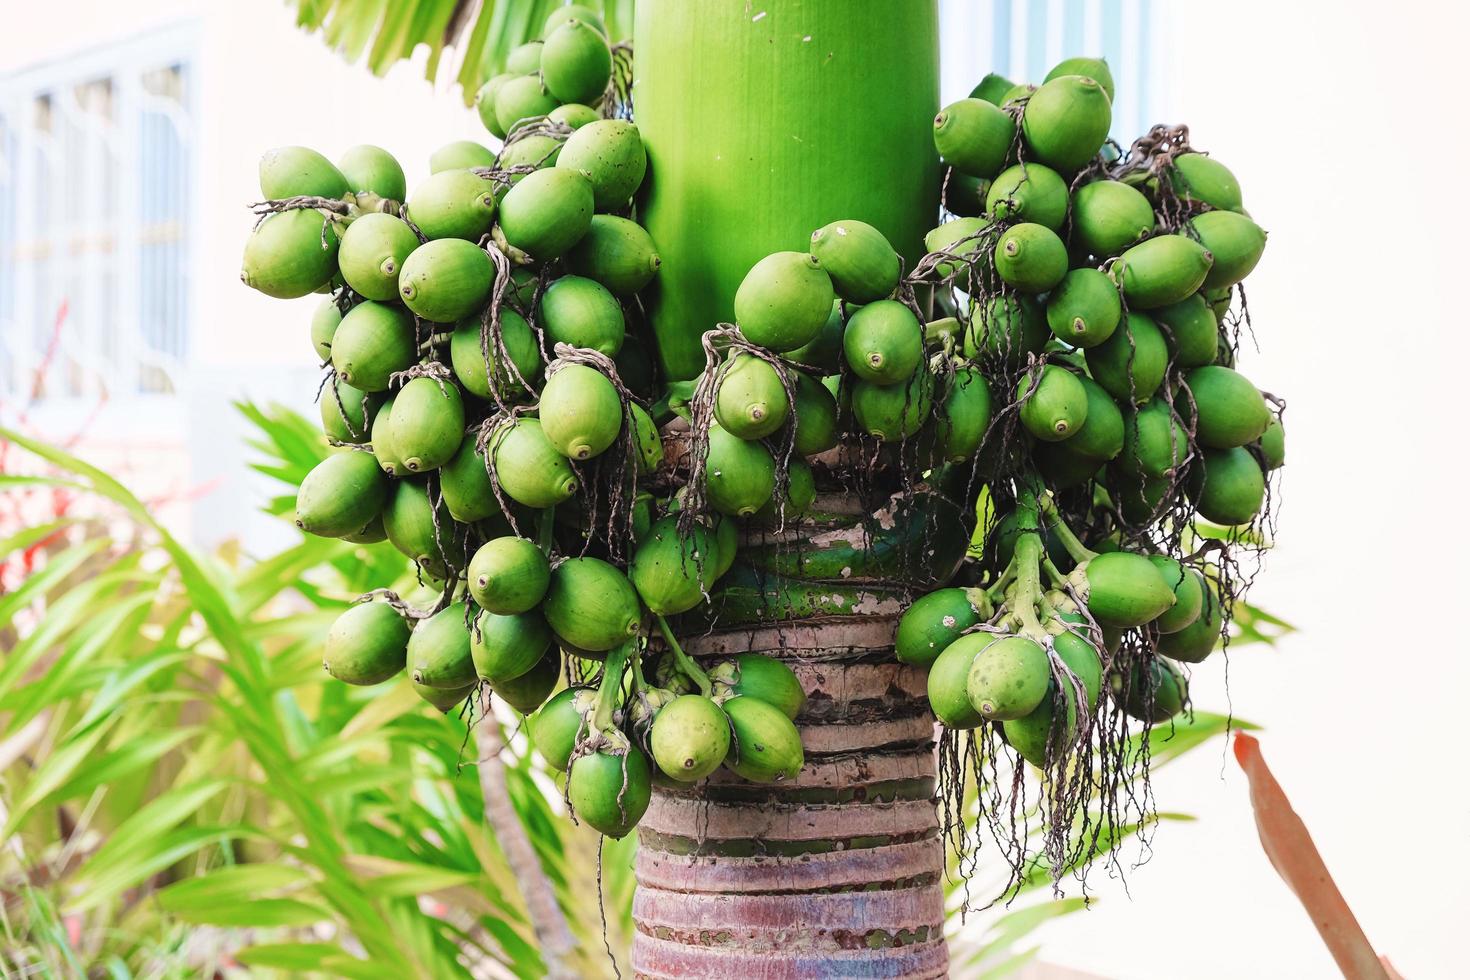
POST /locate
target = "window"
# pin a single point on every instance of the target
(1022, 39)
(96, 181)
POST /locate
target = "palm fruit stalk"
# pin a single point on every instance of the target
(608, 780)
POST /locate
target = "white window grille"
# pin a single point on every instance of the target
(97, 179)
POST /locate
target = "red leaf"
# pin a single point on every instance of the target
(1289, 847)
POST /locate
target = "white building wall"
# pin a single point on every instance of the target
(261, 83)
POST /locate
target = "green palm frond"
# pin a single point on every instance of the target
(181, 786)
(479, 33)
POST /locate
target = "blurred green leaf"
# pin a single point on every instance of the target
(1019, 923)
(150, 856)
(296, 444)
(1252, 624)
(52, 773)
(135, 753)
(27, 536)
(89, 639)
(38, 583)
(402, 878)
(238, 883)
(1010, 965)
(258, 913)
(310, 957)
(1172, 739)
(135, 834)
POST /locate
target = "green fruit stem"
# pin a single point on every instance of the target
(1079, 551)
(343, 210)
(1027, 561)
(640, 683)
(1058, 580)
(996, 593)
(1048, 610)
(691, 669)
(366, 202)
(946, 330)
(546, 530)
(980, 599)
(610, 691)
(435, 342)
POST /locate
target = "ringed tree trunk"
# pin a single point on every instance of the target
(838, 873)
(763, 122)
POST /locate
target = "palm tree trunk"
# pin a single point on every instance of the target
(836, 874)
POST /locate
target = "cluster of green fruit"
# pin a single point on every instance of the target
(1013, 653)
(1096, 288)
(830, 341)
(559, 77)
(1120, 272)
(527, 611)
(737, 716)
(486, 374)
(435, 357)
(482, 349)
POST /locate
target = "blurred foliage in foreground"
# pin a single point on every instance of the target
(184, 789)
